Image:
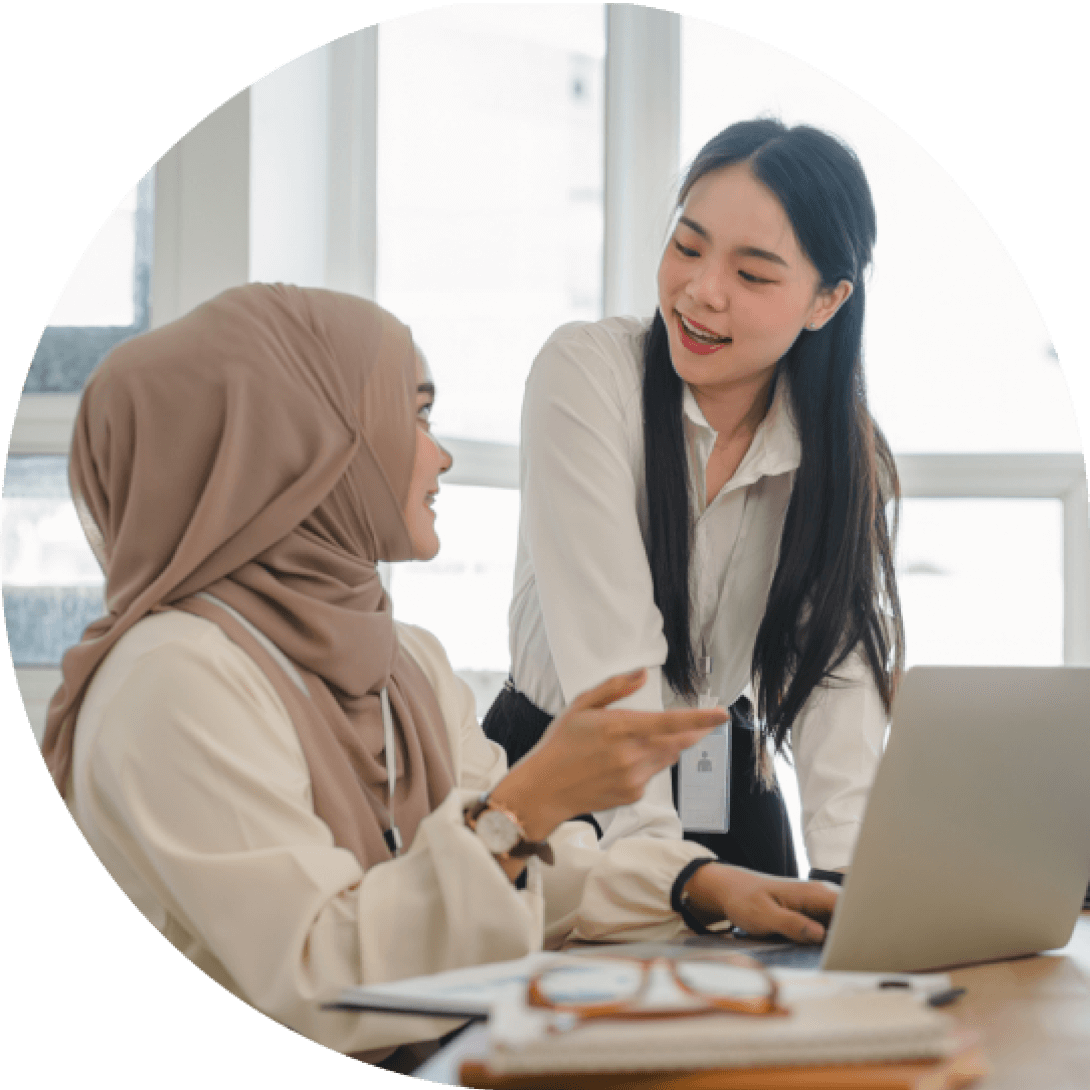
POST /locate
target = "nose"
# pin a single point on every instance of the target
(708, 287)
(447, 458)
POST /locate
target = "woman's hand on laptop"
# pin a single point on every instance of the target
(763, 905)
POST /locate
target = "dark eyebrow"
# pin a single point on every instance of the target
(694, 226)
(745, 251)
(426, 388)
(764, 255)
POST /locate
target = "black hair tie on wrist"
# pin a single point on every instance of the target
(817, 875)
(679, 903)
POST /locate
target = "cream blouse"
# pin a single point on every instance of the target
(190, 784)
(584, 608)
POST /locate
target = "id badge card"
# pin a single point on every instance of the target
(703, 782)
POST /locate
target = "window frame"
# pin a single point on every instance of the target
(642, 125)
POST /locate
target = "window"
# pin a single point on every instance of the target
(489, 179)
(981, 580)
(465, 165)
(489, 237)
(52, 582)
(463, 594)
(105, 301)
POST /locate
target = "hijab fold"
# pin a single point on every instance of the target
(260, 450)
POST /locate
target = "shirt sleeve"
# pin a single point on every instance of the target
(837, 742)
(595, 890)
(198, 779)
(579, 492)
(614, 893)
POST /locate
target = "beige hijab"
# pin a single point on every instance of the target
(260, 450)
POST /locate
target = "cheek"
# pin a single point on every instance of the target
(429, 456)
(418, 483)
(669, 278)
(429, 463)
(420, 463)
(774, 318)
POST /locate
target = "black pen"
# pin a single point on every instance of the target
(944, 999)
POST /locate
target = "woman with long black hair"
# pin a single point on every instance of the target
(706, 495)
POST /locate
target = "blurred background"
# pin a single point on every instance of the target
(489, 173)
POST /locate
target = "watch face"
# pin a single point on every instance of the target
(499, 833)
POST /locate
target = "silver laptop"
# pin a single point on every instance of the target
(975, 844)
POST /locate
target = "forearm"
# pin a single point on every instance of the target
(579, 488)
(837, 744)
(525, 791)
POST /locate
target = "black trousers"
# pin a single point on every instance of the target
(760, 830)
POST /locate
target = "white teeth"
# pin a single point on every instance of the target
(701, 335)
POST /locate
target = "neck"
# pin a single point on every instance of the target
(736, 411)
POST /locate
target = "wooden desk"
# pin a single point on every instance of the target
(1033, 1015)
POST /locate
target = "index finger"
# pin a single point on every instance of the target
(681, 721)
(816, 899)
(612, 689)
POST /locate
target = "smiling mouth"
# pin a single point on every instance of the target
(697, 339)
(699, 332)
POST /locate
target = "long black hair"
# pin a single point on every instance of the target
(834, 589)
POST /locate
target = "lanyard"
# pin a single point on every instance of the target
(706, 674)
(392, 836)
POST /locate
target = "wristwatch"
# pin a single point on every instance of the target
(502, 833)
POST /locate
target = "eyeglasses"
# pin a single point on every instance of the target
(655, 987)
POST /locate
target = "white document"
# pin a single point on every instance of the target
(473, 992)
(457, 993)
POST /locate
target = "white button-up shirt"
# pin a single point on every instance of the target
(583, 607)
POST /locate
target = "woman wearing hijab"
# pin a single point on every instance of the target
(293, 788)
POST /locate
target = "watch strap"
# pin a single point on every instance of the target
(525, 847)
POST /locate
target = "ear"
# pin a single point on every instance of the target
(827, 303)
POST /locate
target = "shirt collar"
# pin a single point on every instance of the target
(775, 448)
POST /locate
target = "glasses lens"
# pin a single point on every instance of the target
(721, 980)
(591, 983)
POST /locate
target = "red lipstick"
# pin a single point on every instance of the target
(696, 347)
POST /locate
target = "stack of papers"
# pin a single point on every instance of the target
(852, 1028)
(844, 1030)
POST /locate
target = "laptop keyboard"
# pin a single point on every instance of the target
(788, 956)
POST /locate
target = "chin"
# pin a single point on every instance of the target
(427, 549)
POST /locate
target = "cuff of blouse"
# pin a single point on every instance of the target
(679, 901)
(818, 875)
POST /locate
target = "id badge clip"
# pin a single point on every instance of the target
(703, 774)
